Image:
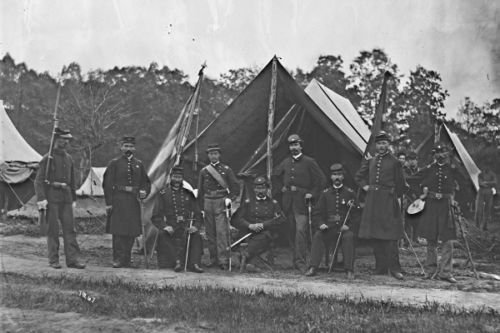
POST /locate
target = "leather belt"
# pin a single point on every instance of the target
(128, 189)
(439, 196)
(215, 194)
(380, 188)
(58, 185)
(293, 188)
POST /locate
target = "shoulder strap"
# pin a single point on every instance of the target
(217, 176)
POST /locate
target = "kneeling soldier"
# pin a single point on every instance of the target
(176, 216)
(261, 216)
(332, 210)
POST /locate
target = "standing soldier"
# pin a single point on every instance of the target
(217, 187)
(484, 199)
(410, 171)
(303, 181)
(439, 181)
(381, 177)
(332, 208)
(262, 216)
(176, 215)
(56, 196)
(125, 184)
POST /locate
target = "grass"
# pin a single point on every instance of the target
(231, 311)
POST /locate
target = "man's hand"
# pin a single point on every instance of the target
(366, 188)
(323, 227)
(228, 202)
(192, 229)
(344, 228)
(42, 205)
(308, 196)
(142, 194)
(256, 227)
(73, 204)
(109, 209)
(169, 229)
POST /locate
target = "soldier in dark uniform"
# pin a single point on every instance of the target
(412, 177)
(484, 199)
(174, 211)
(332, 208)
(56, 194)
(125, 183)
(217, 187)
(261, 216)
(439, 182)
(381, 177)
(302, 181)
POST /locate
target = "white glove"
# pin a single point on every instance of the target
(142, 194)
(169, 229)
(73, 204)
(494, 191)
(228, 201)
(42, 205)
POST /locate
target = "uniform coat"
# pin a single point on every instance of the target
(381, 218)
(126, 208)
(436, 222)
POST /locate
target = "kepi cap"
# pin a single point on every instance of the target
(294, 138)
(62, 133)
(260, 181)
(382, 136)
(336, 167)
(128, 139)
(213, 147)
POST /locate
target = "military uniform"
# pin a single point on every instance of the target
(123, 179)
(484, 199)
(259, 210)
(177, 208)
(412, 177)
(381, 220)
(59, 190)
(437, 221)
(299, 175)
(331, 210)
(211, 199)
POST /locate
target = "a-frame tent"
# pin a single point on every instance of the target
(18, 165)
(241, 129)
(92, 186)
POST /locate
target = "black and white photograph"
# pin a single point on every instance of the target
(249, 166)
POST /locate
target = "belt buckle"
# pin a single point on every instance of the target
(293, 188)
(439, 196)
(336, 218)
(128, 188)
(180, 219)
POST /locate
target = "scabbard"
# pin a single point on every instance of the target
(42, 221)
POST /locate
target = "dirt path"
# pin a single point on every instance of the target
(250, 284)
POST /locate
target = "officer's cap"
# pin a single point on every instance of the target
(382, 136)
(401, 153)
(294, 138)
(440, 148)
(336, 167)
(128, 139)
(412, 155)
(260, 181)
(62, 133)
(177, 170)
(213, 147)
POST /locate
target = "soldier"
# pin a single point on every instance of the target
(125, 184)
(173, 212)
(56, 195)
(439, 181)
(381, 177)
(302, 181)
(217, 187)
(410, 171)
(401, 155)
(332, 209)
(261, 216)
(484, 199)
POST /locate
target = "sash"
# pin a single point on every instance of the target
(217, 176)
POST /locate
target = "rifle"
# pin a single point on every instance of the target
(351, 204)
(42, 216)
(228, 218)
(188, 242)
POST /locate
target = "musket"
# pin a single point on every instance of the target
(351, 204)
(188, 242)
(228, 218)
(42, 216)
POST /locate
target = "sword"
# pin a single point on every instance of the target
(228, 218)
(239, 241)
(188, 243)
(351, 204)
(309, 217)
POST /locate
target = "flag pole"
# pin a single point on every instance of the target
(270, 121)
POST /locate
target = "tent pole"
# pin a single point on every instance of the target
(270, 121)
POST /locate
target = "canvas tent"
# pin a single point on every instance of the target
(18, 164)
(331, 129)
(92, 186)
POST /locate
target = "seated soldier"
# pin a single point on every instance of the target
(176, 215)
(261, 216)
(331, 210)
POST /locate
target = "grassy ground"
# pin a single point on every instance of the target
(224, 311)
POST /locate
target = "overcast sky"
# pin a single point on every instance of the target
(458, 38)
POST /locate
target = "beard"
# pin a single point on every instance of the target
(175, 183)
(128, 153)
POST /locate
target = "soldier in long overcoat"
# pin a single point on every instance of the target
(56, 196)
(381, 177)
(303, 182)
(125, 184)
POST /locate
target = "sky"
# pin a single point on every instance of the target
(458, 38)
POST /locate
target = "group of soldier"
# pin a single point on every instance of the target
(314, 213)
